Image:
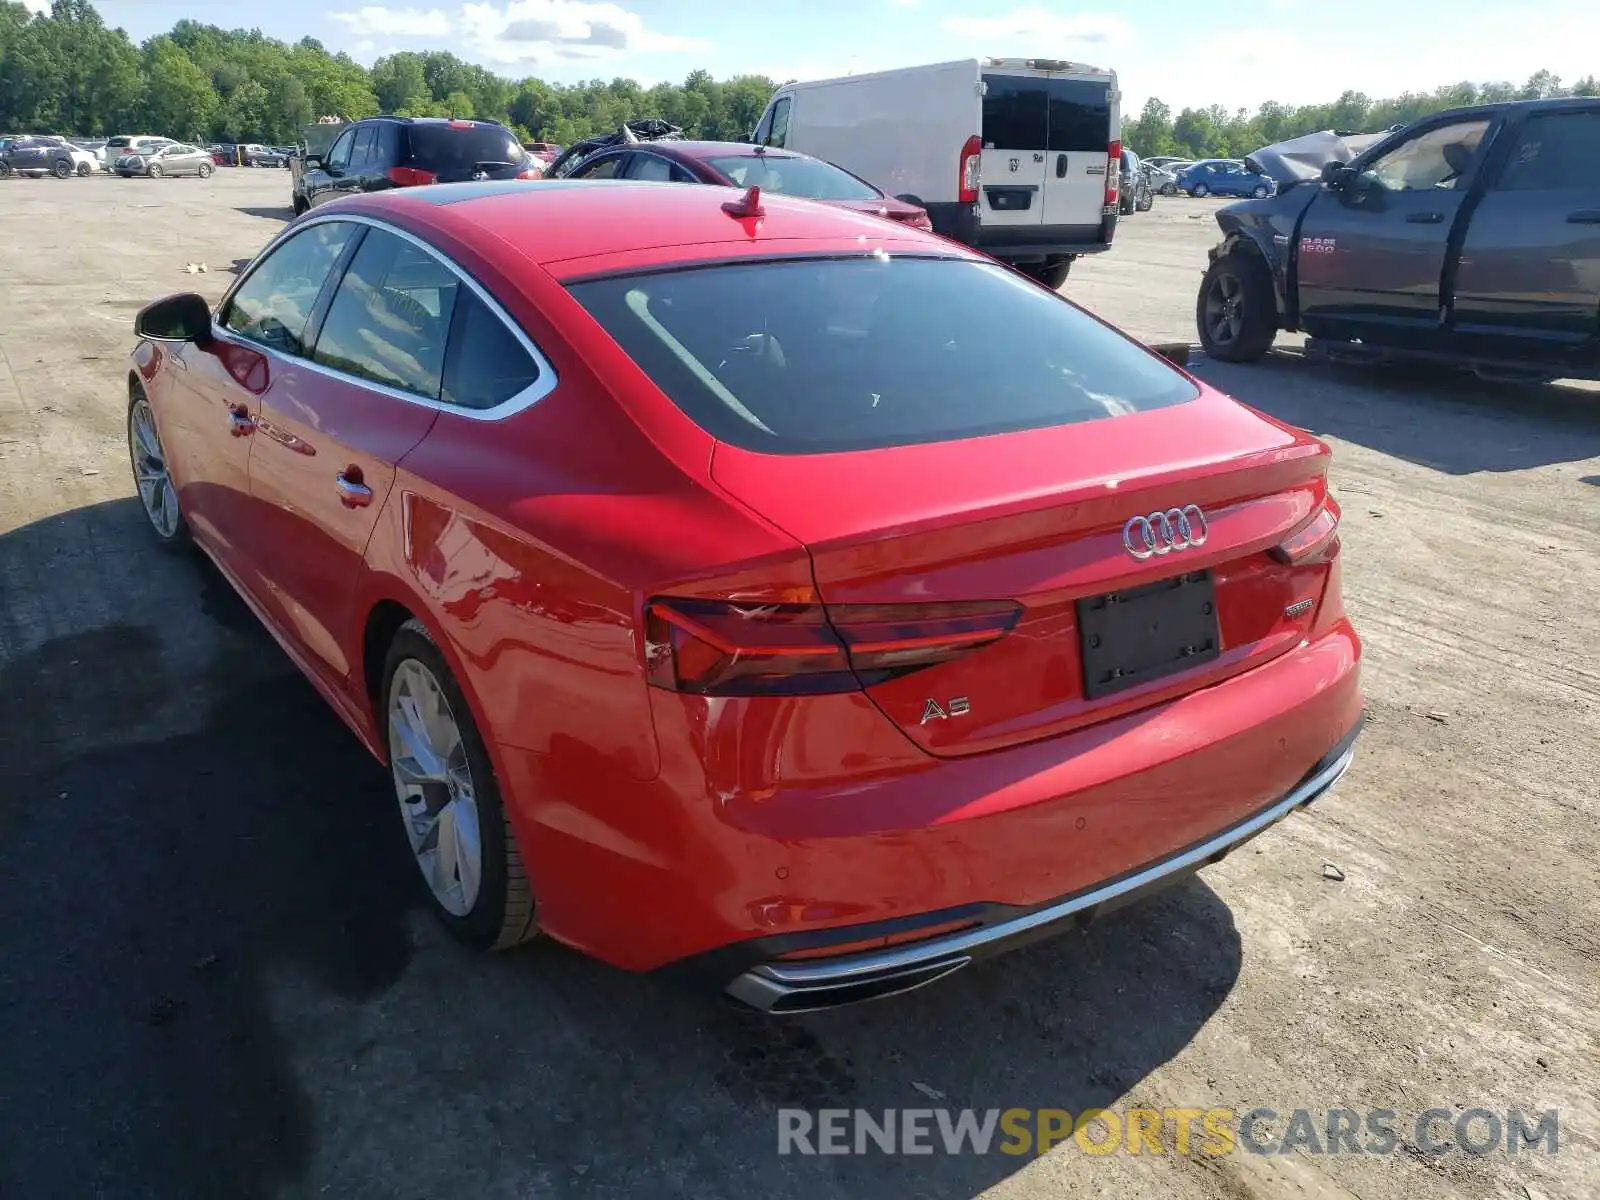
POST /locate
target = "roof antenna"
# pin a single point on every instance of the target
(747, 205)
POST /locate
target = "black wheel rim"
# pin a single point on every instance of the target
(1224, 309)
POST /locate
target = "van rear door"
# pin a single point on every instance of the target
(1080, 162)
(1016, 143)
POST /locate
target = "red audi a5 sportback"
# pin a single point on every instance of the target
(751, 586)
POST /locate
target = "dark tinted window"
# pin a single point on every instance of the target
(387, 151)
(487, 364)
(365, 137)
(601, 168)
(849, 354)
(390, 317)
(457, 148)
(339, 152)
(1555, 151)
(1080, 114)
(274, 302)
(808, 178)
(1016, 112)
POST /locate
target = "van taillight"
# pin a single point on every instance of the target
(741, 648)
(967, 176)
(410, 176)
(1113, 173)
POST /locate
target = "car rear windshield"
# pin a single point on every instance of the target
(448, 147)
(824, 355)
(808, 178)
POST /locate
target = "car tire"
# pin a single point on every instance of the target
(154, 171)
(5, 170)
(299, 205)
(1236, 312)
(499, 911)
(62, 169)
(1200, 191)
(205, 170)
(1261, 192)
(1144, 202)
(1052, 274)
(1169, 189)
(152, 480)
(83, 171)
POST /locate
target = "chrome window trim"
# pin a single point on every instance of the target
(525, 399)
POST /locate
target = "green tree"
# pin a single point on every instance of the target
(244, 113)
(179, 99)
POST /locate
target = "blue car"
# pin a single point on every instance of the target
(1223, 177)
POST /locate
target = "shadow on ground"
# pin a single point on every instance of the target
(276, 212)
(1448, 420)
(216, 977)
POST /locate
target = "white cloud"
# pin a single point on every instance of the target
(38, 6)
(1041, 31)
(395, 22)
(541, 31)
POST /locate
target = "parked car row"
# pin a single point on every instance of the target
(36, 155)
(249, 154)
(174, 158)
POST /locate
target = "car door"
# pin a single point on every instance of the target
(1529, 270)
(216, 392)
(1016, 142)
(334, 428)
(321, 183)
(1372, 249)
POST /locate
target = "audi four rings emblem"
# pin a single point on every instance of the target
(1163, 532)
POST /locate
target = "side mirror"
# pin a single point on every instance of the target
(313, 160)
(1335, 174)
(185, 317)
(1176, 353)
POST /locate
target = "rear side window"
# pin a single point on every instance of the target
(808, 178)
(487, 364)
(390, 317)
(274, 303)
(1016, 112)
(439, 148)
(863, 353)
(362, 150)
(1555, 152)
(1080, 114)
(386, 152)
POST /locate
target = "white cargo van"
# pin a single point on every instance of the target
(1018, 157)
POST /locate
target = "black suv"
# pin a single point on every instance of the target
(35, 156)
(388, 152)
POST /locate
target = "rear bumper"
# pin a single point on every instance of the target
(1021, 243)
(779, 987)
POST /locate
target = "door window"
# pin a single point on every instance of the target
(390, 316)
(759, 137)
(487, 364)
(1080, 114)
(339, 156)
(361, 151)
(653, 167)
(274, 303)
(1016, 113)
(1554, 152)
(780, 123)
(601, 168)
(1439, 158)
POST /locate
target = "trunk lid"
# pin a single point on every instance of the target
(1038, 517)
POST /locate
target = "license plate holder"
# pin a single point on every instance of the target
(1130, 637)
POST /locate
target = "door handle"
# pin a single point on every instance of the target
(1061, 166)
(1585, 217)
(1424, 218)
(352, 492)
(240, 423)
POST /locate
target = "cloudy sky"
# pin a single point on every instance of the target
(1295, 51)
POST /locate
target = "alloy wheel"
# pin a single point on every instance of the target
(1224, 309)
(150, 473)
(433, 783)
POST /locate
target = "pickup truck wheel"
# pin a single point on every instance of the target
(1237, 313)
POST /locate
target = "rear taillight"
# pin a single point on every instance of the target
(1314, 542)
(1113, 173)
(967, 173)
(733, 648)
(410, 176)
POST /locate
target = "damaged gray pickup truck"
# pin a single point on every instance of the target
(1470, 237)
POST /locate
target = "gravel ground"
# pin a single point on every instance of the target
(216, 976)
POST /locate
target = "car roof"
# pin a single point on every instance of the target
(574, 227)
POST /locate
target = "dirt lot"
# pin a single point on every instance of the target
(216, 977)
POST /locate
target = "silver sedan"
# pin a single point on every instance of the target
(177, 159)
